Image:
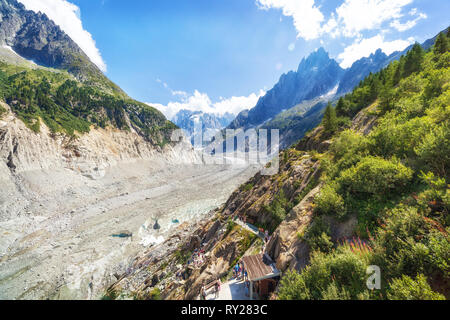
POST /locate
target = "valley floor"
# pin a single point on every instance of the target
(61, 246)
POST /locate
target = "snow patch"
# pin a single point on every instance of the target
(15, 53)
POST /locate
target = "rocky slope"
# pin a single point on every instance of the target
(282, 203)
(303, 214)
(22, 150)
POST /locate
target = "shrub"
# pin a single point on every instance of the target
(247, 187)
(329, 202)
(437, 194)
(318, 236)
(293, 287)
(182, 256)
(375, 176)
(395, 238)
(410, 243)
(2, 111)
(329, 121)
(439, 247)
(342, 267)
(278, 209)
(394, 137)
(405, 288)
(348, 143)
(333, 292)
(434, 150)
(230, 225)
(155, 294)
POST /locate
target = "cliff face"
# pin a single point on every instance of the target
(286, 247)
(27, 150)
(22, 150)
(34, 36)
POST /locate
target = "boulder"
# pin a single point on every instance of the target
(194, 243)
(212, 231)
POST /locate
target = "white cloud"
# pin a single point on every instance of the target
(307, 17)
(349, 19)
(67, 16)
(235, 105)
(201, 102)
(364, 47)
(358, 15)
(396, 24)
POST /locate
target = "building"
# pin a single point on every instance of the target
(262, 274)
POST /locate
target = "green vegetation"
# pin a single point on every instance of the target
(155, 294)
(395, 180)
(230, 226)
(341, 269)
(247, 187)
(311, 185)
(111, 294)
(246, 240)
(329, 119)
(278, 209)
(412, 289)
(318, 236)
(2, 111)
(182, 256)
(68, 106)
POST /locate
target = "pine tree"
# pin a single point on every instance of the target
(374, 88)
(330, 119)
(413, 60)
(442, 44)
(340, 107)
(398, 71)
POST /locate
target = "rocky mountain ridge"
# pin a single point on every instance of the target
(295, 104)
(316, 75)
(35, 37)
(196, 123)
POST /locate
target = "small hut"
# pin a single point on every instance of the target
(262, 274)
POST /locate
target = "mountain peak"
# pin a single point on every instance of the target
(316, 60)
(379, 54)
(34, 36)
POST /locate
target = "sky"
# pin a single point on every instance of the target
(220, 56)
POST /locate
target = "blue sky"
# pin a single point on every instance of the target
(217, 55)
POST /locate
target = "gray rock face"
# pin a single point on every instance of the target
(361, 69)
(34, 36)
